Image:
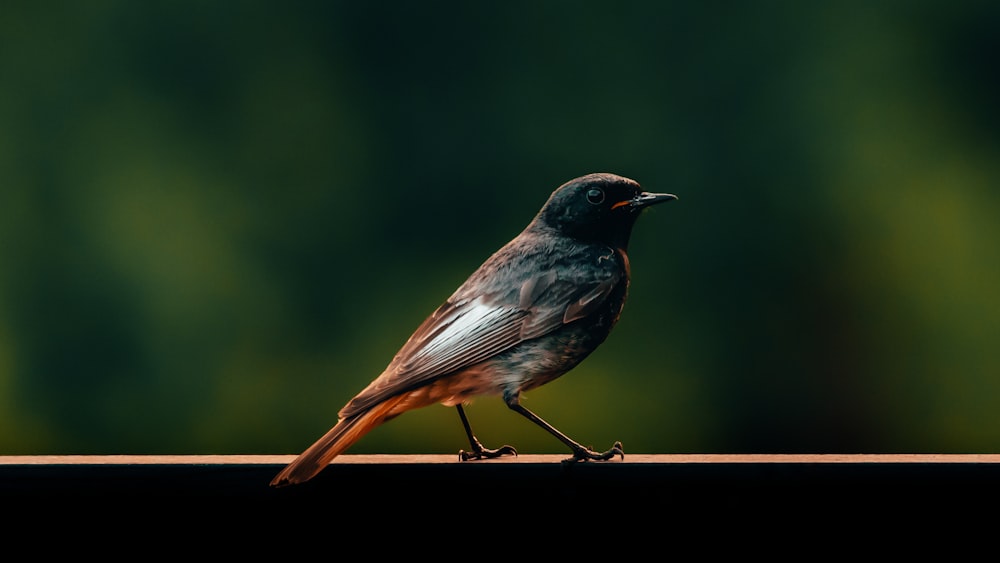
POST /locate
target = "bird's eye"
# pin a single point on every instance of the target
(595, 196)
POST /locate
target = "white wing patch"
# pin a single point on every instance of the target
(469, 335)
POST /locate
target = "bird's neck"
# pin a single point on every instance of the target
(617, 239)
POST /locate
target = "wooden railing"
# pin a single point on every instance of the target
(535, 479)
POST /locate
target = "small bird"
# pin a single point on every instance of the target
(534, 310)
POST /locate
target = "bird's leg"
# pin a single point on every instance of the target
(478, 451)
(580, 452)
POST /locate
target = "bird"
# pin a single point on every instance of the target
(530, 313)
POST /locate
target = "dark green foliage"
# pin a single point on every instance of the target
(218, 223)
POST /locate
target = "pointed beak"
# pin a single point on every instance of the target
(645, 199)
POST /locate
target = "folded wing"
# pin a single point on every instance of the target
(461, 333)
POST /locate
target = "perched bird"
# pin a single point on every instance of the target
(530, 313)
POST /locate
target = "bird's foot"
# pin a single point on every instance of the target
(584, 454)
(479, 452)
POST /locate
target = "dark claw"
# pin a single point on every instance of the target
(583, 454)
(481, 453)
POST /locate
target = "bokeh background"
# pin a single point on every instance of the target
(219, 221)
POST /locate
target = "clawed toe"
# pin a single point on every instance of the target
(484, 453)
(584, 454)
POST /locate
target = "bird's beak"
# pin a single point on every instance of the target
(644, 199)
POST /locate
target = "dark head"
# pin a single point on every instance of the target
(597, 208)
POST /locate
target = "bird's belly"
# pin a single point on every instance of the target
(538, 362)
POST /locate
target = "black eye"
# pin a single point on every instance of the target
(595, 196)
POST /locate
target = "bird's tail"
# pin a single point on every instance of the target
(346, 432)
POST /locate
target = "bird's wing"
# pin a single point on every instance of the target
(463, 332)
(459, 334)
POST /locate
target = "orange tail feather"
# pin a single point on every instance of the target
(342, 436)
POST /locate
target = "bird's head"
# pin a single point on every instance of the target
(598, 208)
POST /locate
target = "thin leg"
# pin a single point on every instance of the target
(478, 451)
(580, 453)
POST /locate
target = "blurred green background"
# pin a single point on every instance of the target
(219, 221)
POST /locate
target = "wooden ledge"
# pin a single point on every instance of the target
(683, 480)
(283, 459)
